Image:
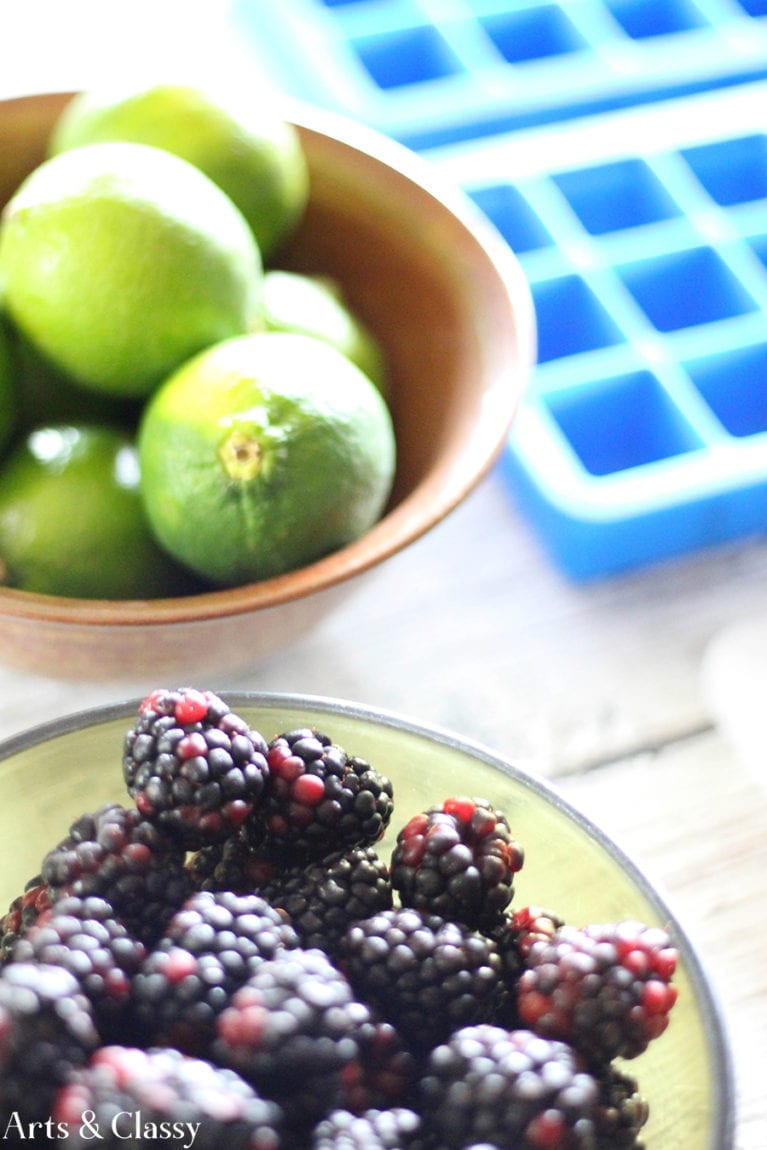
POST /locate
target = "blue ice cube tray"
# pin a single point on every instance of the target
(626, 165)
(643, 236)
(429, 72)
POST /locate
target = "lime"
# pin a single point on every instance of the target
(72, 520)
(262, 454)
(316, 305)
(239, 142)
(44, 394)
(8, 400)
(120, 261)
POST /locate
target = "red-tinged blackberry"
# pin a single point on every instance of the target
(605, 989)
(507, 1088)
(22, 914)
(116, 854)
(425, 976)
(622, 1112)
(83, 936)
(319, 798)
(209, 949)
(193, 766)
(127, 1096)
(46, 1030)
(516, 933)
(384, 1073)
(457, 860)
(322, 898)
(395, 1129)
(291, 1030)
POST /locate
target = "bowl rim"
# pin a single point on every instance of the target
(723, 1109)
(436, 495)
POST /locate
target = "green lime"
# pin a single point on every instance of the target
(46, 395)
(119, 261)
(316, 305)
(239, 142)
(263, 454)
(8, 398)
(72, 520)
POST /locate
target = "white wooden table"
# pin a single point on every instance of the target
(630, 694)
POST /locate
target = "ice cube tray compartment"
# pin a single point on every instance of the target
(644, 241)
(434, 71)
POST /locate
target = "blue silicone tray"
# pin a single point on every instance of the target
(643, 236)
(624, 160)
(433, 71)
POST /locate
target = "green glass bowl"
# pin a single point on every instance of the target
(56, 771)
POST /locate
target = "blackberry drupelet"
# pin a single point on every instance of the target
(605, 989)
(322, 898)
(22, 914)
(116, 854)
(622, 1112)
(83, 936)
(163, 1091)
(193, 766)
(489, 1085)
(291, 1030)
(320, 799)
(46, 1030)
(425, 976)
(209, 948)
(458, 861)
(394, 1129)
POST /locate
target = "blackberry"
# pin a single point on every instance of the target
(514, 937)
(21, 914)
(291, 1030)
(605, 989)
(319, 798)
(236, 864)
(140, 1097)
(209, 948)
(394, 1129)
(458, 861)
(192, 765)
(622, 1112)
(383, 1074)
(116, 854)
(83, 936)
(489, 1085)
(46, 1030)
(426, 976)
(518, 932)
(322, 898)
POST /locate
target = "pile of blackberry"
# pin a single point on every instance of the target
(235, 950)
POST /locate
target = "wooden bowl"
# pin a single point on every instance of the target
(54, 773)
(447, 299)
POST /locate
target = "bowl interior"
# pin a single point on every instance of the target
(49, 777)
(432, 279)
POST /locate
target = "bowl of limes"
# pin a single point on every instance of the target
(355, 930)
(248, 351)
